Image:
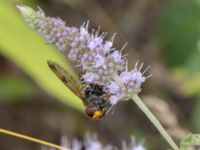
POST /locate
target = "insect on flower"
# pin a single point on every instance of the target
(94, 96)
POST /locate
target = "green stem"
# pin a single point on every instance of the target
(155, 121)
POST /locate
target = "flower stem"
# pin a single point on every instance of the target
(32, 139)
(155, 121)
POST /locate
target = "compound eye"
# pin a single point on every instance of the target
(92, 112)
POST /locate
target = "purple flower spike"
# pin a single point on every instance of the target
(126, 85)
(90, 77)
(114, 99)
(91, 142)
(95, 56)
(99, 61)
(114, 87)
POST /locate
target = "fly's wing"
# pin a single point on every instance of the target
(65, 77)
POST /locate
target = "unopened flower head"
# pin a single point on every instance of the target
(97, 58)
(33, 18)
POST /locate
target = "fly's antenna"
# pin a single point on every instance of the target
(32, 139)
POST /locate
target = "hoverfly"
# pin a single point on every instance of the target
(93, 95)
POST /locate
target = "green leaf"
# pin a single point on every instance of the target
(189, 141)
(179, 31)
(15, 88)
(190, 74)
(29, 51)
(191, 82)
(179, 36)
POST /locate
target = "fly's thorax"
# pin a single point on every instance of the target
(95, 101)
(94, 89)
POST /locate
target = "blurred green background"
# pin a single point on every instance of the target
(163, 34)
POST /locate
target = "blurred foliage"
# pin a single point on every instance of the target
(196, 114)
(15, 88)
(180, 31)
(179, 34)
(28, 50)
(190, 141)
(70, 2)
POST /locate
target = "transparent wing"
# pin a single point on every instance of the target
(65, 77)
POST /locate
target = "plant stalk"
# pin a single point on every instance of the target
(155, 121)
(4, 131)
